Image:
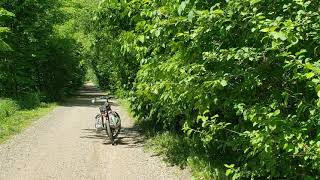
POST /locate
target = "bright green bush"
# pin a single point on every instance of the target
(240, 78)
(7, 108)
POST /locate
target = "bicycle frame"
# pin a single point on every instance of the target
(104, 112)
(104, 118)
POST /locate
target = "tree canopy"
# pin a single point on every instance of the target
(34, 56)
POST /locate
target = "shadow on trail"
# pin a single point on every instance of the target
(129, 137)
(84, 96)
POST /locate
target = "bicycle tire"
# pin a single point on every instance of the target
(109, 132)
(97, 117)
(119, 128)
(115, 135)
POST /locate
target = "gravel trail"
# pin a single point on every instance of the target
(64, 145)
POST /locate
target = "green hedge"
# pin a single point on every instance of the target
(240, 78)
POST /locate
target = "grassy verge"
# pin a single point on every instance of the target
(126, 105)
(18, 121)
(179, 150)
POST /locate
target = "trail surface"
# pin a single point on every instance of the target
(64, 145)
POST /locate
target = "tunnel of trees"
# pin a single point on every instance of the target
(239, 80)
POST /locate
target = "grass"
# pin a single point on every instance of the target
(126, 105)
(18, 121)
(179, 150)
(7, 107)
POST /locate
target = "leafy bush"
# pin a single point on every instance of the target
(29, 101)
(241, 78)
(7, 108)
(241, 81)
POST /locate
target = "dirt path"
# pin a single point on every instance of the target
(65, 145)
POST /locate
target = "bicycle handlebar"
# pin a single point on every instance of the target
(100, 99)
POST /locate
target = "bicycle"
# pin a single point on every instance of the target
(110, 120)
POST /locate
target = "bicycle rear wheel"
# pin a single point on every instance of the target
(99, 124)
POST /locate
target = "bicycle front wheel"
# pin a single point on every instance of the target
(109, 132)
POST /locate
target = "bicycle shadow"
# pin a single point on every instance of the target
(129, 137)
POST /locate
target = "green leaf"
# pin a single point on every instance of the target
(182, 7)
(229, 172)
(4, 46)
(189, 131)
(309, 75)
(190, 16)
(272, 128)
(302, 51)
(157, 32)
(4, 29)
(141, 38)
(223, 83)
(318, 88)
(265, 30)
(266, 147)
(218, 12)
(279, 35)
(4, 12)
(271, 29)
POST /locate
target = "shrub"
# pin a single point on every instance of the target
(7, 108)
(241, 78)
(29, 101)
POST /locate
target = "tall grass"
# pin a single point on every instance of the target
(16, 114)
(7, 108)
(15, 123)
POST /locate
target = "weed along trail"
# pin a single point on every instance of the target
(65, 145)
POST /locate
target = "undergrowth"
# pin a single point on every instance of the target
(177, 149)
(20, 119)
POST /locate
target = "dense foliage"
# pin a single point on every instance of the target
(34, 56)
(239, 77)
